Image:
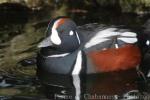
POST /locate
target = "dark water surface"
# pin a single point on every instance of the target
(22, 29)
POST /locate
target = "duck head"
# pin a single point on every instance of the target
(62, 35)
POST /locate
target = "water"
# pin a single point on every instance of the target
(20, 32)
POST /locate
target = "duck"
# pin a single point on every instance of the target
(72, 52)
(98, 47)
(57, 50)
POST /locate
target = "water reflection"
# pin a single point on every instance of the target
(105, 86)
(58, 86)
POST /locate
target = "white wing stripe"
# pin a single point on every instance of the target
(128, 40)
(95, 42)
(101, 36)
(129, 34)
(104, 35)
(107, 33)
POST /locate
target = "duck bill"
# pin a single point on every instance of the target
(45, 43)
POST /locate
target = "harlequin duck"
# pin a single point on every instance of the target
(60, 51)
(107, 48)
(92, 48)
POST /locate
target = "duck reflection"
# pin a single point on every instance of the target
(63, 87)
(122, 85)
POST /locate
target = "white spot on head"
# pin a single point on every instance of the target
(54, 36)
(147, 42)
(71, 33)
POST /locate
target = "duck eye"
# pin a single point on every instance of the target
(147, 42)
(71, 33)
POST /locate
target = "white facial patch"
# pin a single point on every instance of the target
(71, 33)
(147, 42)
(54, 36)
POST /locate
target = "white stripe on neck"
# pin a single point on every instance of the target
(59, 55)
